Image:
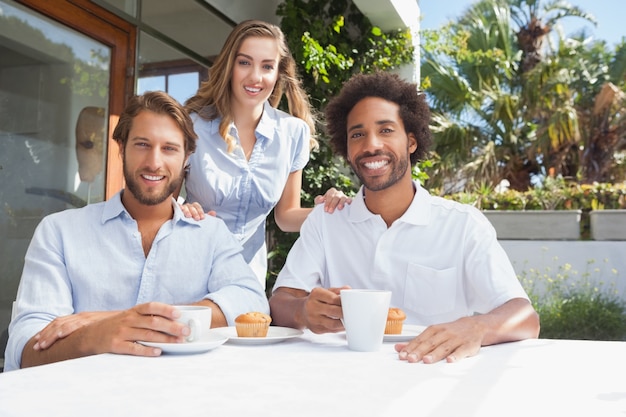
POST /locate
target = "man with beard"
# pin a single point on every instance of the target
(440, 259)
(101, 278)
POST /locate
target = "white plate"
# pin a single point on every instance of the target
(409, 331)
(211, 341)
(275, 334)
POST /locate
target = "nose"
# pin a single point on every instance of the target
(154, 159)
(256, 74)
(372, 142)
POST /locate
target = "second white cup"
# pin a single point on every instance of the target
(364, 317)
(198, 318)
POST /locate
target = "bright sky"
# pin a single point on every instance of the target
(610, 14)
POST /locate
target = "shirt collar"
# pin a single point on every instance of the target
(113, 208)
(265, 128)
(418, 212)
(267, 124)
(358, 210)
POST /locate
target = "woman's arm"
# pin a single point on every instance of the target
(289, 214)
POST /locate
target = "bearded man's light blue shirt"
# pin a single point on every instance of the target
(92, 259)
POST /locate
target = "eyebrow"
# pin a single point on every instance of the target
(252, 59)
(144, 139)
(175, 145)
(378, 122)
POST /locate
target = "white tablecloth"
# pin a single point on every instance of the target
(318, 376)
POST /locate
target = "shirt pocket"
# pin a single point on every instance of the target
(429, 291)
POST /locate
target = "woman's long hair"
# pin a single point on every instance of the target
(213, 98)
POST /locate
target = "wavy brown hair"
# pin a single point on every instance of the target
(157, 102)
(213, 98)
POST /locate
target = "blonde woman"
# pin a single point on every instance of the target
(250, 155)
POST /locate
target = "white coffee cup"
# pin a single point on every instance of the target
(198, 319)
(364, 317)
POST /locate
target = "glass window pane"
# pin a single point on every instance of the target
(156, 83)
(162, 67)
(183, 86)
(54, 94)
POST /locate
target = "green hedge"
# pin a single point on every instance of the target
(553, 194)
(573, 305)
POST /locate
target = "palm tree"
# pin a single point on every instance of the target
(601, 109)
(606, 136)
(578, 101)
(534, 23)
(473, 84)
(547, 93)
(501, 109)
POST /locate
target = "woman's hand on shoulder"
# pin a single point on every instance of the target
(333, 199)
(195, 210)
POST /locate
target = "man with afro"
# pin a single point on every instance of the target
(440, 259)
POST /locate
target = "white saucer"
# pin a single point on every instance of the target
(409, 331)
(275, 334)
(211, 341)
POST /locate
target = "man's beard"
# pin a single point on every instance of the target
(398, 171)
(152, 200)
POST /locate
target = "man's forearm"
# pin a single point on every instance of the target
(286, 310)
(63, 349)
(514, 320)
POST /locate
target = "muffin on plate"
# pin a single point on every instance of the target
(395, 321)
(252, 324)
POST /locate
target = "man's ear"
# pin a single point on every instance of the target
(121, 149)
(412, 143)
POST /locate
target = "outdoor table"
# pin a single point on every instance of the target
(317, 375)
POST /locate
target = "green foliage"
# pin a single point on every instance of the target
(556, 194)
(420, 171)
(330, 40)
(575, 306)
(506, 105)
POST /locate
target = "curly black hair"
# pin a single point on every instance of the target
(414, 110)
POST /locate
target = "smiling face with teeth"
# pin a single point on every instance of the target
(154, 159)
(255, 72)
(379, 148)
